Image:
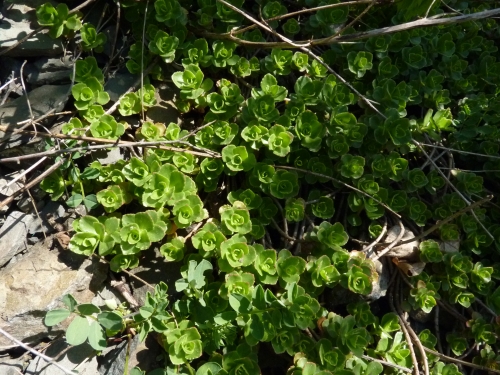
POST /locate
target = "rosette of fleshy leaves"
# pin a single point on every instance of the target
(107, 127)
(321, 205)
(139, 230)
(238, 282)
(166, 186)
(237, 158)
(235, 218)
(58, 19)
(114, 196)
(303, 308)
(173, 250)
(251, 200)
(225, 104)
(269, 86)
(357, 273)
(211, 169)
(164, 45)
(284, 184)
(289, 267)
(197, 53)
(189, 210)
(264, 266)
(323, 272)
(344, 335)
(279, 140)
(208, 240)
(331, 235)
(88, 93)
(191, 82)
(261, 176)
(152, 131)
(262, 108)
(235, 253)
(295, 209)
(309, 130)
(255, 135)
(182, 342)
(92, 233)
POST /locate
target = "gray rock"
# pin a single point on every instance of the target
(153, 268)
(25, 204)
(381, 285)
(13, 235)
(49, 71)
(19, 19)
(10, 68)
(42, 100)
(68, 357)
(143, 354)
(119, 84)
(11, 366)
(7, 187)
(112, 156)
(165, 110)
(406, 251)
(52, 209)
(37, 282)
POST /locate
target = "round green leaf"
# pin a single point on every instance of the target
(97, 336)
(78, 331)
(110, 320)
(88, 309)
(54, 317)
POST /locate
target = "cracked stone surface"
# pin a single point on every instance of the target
(19, 19)
(36, 283)
(13, 235)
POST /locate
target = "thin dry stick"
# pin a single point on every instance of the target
(142, 59)
(33, 203)
(442, 304)
(131, 88)
(299, 12)
(285, 235)
(195, 229)
(37, 353)
(464, 363)
(424, 22)
(306, 50)
(21, 72)
(393, 243)
(342, 183)
(156, 145)
(405, 369)
(32, 183)
(117, 29)
(486, 307)
(21, 175)
(436, 327)
(7, 83)
(378, 239)
(413, 335)
(353, 21)
(453, 187)
(113, 143)
(460, 151)
(403, 328)
(127, 272)
(448, 219)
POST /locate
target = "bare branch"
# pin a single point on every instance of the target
(425, 22)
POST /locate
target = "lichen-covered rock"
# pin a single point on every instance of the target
(36, 283)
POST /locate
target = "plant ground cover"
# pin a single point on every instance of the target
(333, 205)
